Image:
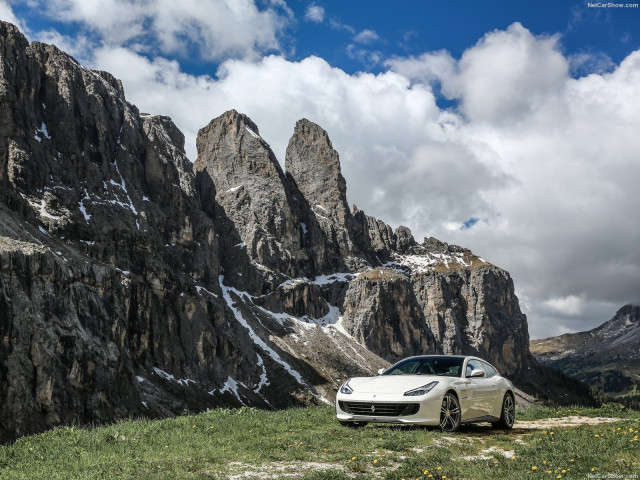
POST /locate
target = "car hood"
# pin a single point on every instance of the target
(392, 383)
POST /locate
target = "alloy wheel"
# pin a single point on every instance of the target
(450, 413)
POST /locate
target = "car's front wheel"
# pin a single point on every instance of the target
(450, 413)
(345, 423)
(508, 413)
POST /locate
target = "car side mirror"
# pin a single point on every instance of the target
(477, 374)
(380, 371)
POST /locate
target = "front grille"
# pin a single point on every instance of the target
(377, 409)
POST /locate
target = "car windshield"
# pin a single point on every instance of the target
(441, 366)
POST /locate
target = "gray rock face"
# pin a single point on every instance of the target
(132, 285)
(606, 357)
(313, 166)
(471, 311)
(252, 194)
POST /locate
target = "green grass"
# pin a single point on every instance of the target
(309, 444)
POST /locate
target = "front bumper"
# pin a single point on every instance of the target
(389, 408)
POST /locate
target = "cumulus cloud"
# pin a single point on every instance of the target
(217, 29)
(533, 169)
(366, 36)
(6, 14)
(550, 190)
(314, 13)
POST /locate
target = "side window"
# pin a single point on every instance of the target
(489, 370)
(472, 366)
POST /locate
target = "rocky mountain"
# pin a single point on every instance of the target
(133, 282)
(606, 357)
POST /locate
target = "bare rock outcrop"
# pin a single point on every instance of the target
(255, 204)
(133, 283)
(313, 168)
(595, 356)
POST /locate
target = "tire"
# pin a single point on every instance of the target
(507, 414)
(352, 424)
(450, 413)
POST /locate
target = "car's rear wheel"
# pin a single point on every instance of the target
(450, 413)
(345, 423)
(508, 413)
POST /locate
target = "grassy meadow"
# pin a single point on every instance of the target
(309, 444)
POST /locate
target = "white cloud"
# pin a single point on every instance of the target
(314, 13)
(217, 28)
(569, 306)
(547, 163)
(553, 188)
(366, 36)
(6, 14)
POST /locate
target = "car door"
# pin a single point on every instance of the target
(496, 392)
(481, 390)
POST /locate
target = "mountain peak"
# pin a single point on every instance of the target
(314, 166)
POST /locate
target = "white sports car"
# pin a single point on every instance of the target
(443, 390)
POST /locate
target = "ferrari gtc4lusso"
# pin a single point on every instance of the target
(439, 390)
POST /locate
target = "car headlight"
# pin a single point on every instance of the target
(345, 388)
(423, 390)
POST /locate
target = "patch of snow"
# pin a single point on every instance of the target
(43, 131)
(82, 208)
(293, 281)
(40, 207)
(199, 289)
(304, 228)
(240, 245)
(234, 189)
(333, 277)
(123, 186)
(145, 404)
(264, 380)
(253, 134)
(167, 376)
(140, 379)
(43, 230)
(231, 385)
(145, 198)
(226, 292)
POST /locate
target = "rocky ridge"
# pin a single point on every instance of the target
(135, 283)
(606, 357)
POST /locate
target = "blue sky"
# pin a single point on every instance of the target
(507, 127)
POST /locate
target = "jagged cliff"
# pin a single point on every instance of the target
(606, 357)
(133, 282)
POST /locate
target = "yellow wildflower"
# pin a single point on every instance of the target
(534, 468)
